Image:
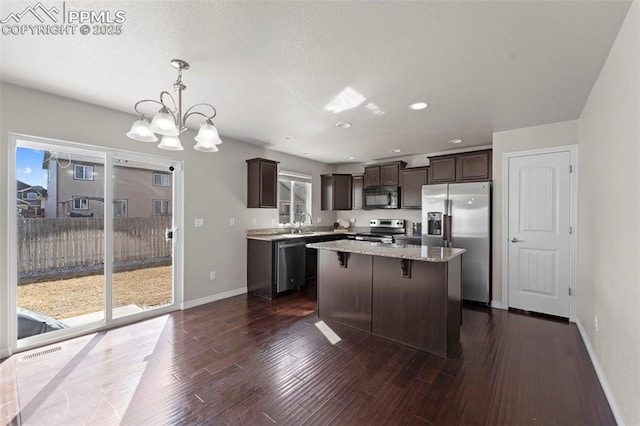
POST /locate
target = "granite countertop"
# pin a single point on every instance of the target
(400, 251)
(290, 236)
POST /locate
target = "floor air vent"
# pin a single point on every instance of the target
(41, 353)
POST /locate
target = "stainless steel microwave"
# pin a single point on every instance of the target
(383, 197)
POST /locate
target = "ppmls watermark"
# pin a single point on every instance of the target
(40, 20)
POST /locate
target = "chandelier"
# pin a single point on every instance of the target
(169, 122)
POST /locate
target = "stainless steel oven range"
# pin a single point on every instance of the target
(382, 230)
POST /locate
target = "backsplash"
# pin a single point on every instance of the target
(362, 216)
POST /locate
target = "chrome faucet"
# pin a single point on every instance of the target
(300, 218)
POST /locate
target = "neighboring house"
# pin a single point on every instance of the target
(31, 200)
(284, 202)
(76, 188)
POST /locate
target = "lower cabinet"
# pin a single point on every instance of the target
(260, 268)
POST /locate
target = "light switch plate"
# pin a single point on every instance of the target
(232, 221)
(199, 222)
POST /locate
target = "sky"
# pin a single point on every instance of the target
(29, 167)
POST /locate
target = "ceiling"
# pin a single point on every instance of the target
(270, 68)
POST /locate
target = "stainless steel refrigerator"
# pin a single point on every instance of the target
(459, 215)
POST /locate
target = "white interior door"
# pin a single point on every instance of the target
(539, 254)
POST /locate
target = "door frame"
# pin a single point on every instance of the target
(108, 321)
(573, 244)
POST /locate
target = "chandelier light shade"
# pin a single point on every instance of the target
(140, 131)
(169, 122)
(170, 143)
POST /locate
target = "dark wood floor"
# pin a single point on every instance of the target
(249, 361)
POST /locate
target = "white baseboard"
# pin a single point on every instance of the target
(213, 298)
(615, 408)
(497, 304)
(5, 352)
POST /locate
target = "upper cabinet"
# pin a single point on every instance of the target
(262, 183)
(335, 192)
(442, 170)
(465, 167)
(357, 183)
(411, 181)
(371, 177)
(387, 174)
(474, 166)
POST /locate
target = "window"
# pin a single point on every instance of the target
(119, 208)
(160, 207)
(82, 172)
(31, 196)
(161, 179)
(294, 196)
(80, 204)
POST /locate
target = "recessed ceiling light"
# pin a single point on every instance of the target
(418, 106)
(455, 141)
(395, 150)
(350, 157)
(289, 138)
(343, 124)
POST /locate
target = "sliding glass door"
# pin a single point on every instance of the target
(93, 239)
(142, 229)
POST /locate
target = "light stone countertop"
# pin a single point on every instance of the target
(400, 251)
(290, 236)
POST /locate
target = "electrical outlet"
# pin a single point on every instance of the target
(212, 275)
(595, 322)
(199, 222)
(319, 220)
(232, 221)
(254, 221)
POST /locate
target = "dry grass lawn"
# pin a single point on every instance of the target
(78, 296)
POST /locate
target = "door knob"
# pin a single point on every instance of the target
(514, 240)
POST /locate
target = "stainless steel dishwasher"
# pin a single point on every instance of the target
(291, 265)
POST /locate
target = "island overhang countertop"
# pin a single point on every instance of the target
(399, 251)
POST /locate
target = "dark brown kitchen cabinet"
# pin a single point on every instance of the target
(335, 192)
(411, 181)
(356, 192)
(386, 174)
(371, 177)
(442, 170)
(474, 166)
(262, 183)
(465, 167)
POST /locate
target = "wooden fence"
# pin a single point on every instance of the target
(52, 243)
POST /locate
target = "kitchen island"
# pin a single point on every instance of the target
(406, 293)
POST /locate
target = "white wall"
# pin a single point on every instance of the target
(557, 134)
(609, 218)
(215, 185)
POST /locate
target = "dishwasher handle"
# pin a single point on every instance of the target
(288, 244)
